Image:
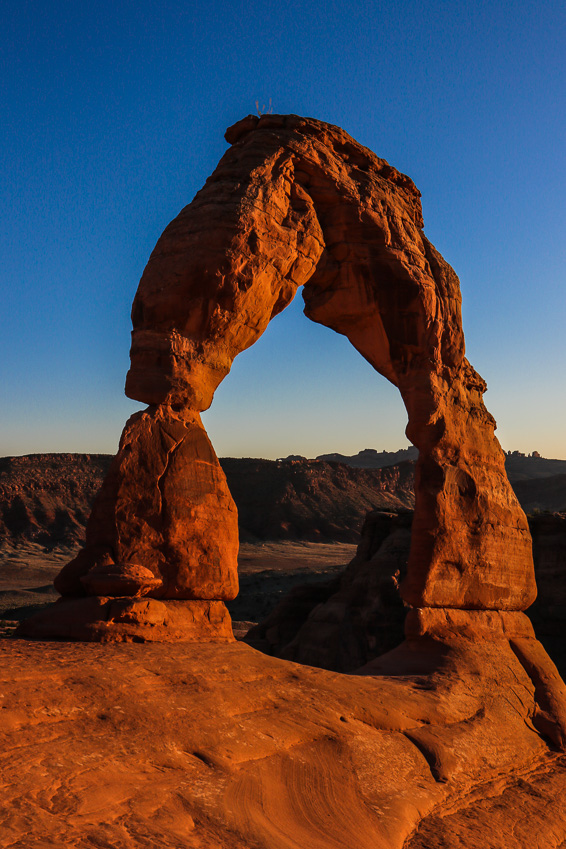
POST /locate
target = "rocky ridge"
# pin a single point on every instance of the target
(46, 498)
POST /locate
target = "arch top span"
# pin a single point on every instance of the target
(294, 202)
(297, 202)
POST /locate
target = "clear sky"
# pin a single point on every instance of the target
(113, 117)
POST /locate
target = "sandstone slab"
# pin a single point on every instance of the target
(203, 745)
(137, 620)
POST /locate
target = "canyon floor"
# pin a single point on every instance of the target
(187, 746)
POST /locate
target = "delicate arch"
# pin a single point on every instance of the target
(296, 202)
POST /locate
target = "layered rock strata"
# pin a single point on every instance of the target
(296, 202)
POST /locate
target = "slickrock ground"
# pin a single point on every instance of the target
(220, 747)
(182, 745)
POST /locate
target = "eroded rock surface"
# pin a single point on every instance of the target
(351, 619)
(208, 746)
(47, 498)
(164, 506)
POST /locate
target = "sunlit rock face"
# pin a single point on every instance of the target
(296, 202)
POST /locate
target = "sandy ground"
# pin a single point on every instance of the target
(267, 572)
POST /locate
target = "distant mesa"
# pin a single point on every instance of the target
(369, 458)
(47, 498)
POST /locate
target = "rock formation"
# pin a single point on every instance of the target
(351, 619)
(343, 623)
(462, 720)
(219, 746)
(295, 202)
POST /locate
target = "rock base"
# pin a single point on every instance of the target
(131, 620)
(436, 636)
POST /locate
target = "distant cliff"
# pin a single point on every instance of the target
(46, 498)
(311, 499)
(519, 467)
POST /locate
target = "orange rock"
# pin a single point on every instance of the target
(220, 746)
(296, 202)
(120, 579)
(165, 507)
(131, 620)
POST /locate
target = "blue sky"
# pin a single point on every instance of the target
(114, 115)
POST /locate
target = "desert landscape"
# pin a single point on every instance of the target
(383, 685)
(300, 523)
(172, 763)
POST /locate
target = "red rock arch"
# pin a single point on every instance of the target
(296, 202)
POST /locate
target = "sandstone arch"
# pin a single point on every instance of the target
(296, 202)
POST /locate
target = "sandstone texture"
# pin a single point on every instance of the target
(296, 202)
(132, 620)
(309, 500)
(220, 747)
(163, 494)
